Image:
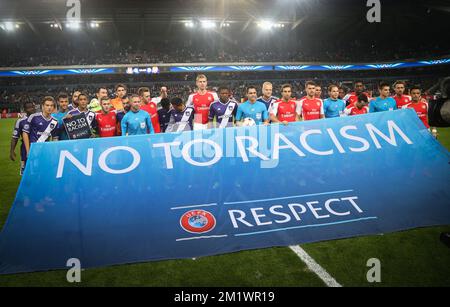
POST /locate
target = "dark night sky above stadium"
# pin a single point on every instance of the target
(334, 16)
(402, 22)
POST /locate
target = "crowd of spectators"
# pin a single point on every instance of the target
(96, 53)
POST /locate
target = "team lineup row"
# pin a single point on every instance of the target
(140, 114)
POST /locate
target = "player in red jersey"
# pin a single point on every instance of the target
(310, 107)
(352, 98)
(106, 119)
(360, 106)
(400, 98)
(420, 106)
(150, 107)
(284, 109)
(201, 101)
(426, 96)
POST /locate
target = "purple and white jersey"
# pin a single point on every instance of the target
(39, 128)
(219, 111)
(268, 103)
(17, 134)
(90, 117)
(180, 121)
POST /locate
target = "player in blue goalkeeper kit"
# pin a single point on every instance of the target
(136, 121)
(384, 102)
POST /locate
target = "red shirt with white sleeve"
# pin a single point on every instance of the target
(152, 110)
(106, 123)
(402, 100)
(352, 98)
(421, 109)
(201, 104)
(355, 111)
(284, 110)
(310, 109)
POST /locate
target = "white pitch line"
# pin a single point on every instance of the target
(314, 266)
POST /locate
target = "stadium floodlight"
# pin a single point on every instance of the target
(266, 25)
(94, 25)
(10, 26)
(206, 24)
(225, 25)
(73, 25)
(189, 24)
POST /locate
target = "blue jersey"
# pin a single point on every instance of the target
(39, 128)
(62, 133)
(175, 119)
(136, 123)
(17, 134)
(380, 105)
(267, 103)
(218, 109)
(257, 111)
(164, 118)
(333, 108)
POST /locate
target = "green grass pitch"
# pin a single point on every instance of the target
(409, 258)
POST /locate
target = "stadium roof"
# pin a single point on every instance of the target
(348, 14)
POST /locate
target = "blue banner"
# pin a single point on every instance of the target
(217, 67)
(221, 68)
(373, 66)
(181, 195)
(56, 72)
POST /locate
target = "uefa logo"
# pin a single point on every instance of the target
(197, 221)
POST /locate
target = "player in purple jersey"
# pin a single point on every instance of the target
(83, 108)
(29, 108)
(181, 117)
(74, 102)
(267, 98)
(41, 127)
(223, 111)
(164, 114)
